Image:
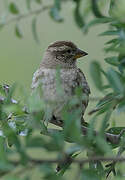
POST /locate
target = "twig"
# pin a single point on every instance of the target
(26, 15)
(114, 139)
(80, 162)
(77, 161)
(93, 111)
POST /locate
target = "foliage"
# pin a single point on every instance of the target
(19, 122)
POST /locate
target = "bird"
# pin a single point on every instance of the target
(61, 56)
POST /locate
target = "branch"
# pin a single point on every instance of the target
(26, 15)
(114, 139)
(80, 162)
(77, 161)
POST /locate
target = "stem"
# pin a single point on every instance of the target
(26, 15)
(114, 139)
(76, 161)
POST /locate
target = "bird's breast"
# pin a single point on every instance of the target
(58, 84)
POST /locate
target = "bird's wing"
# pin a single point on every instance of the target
(83, 82)
(36, 78)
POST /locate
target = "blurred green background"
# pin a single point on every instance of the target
(19, 58)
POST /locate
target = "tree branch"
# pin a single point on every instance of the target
(80, 162)
(77, 161)
(114, 139)
(26, 15)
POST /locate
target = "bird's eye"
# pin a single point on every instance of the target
(69, 51)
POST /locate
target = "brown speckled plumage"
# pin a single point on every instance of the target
(71, 77)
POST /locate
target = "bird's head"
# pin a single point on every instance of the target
(63, 53)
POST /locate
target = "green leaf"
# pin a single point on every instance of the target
(34, 30)
(73, 149)
(49, 172)
(13, 8)
(35, 104)
(106, 86)
(39, 142)
(121, 66)
(18, 32)
(115, 130)
(109, 33)
(112, 3)
(89, 174)
(79, 19)
(115, 81)
(16, 109)
(5, 166)
(35, 142)
(62, 167)
(90, 132)
(96, 74)
(47, 168)
(113, 41)
(2, 91)
(122, 34)
(102, 147)
(14, 139)
(111, 48)
(55, 10)
(105, 121)
(38, 1)
(72, 122)
(28, 4)
(108, 98)
(95, 22)
(112, 60)
(121, 106)
(3, 156)
(54, 13)
(100, 168)
(57, 4)
(103, 104)
(95, 9)
(97, 167)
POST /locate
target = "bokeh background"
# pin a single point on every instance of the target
(19, 58)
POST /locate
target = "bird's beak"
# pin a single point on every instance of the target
(80, 53)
